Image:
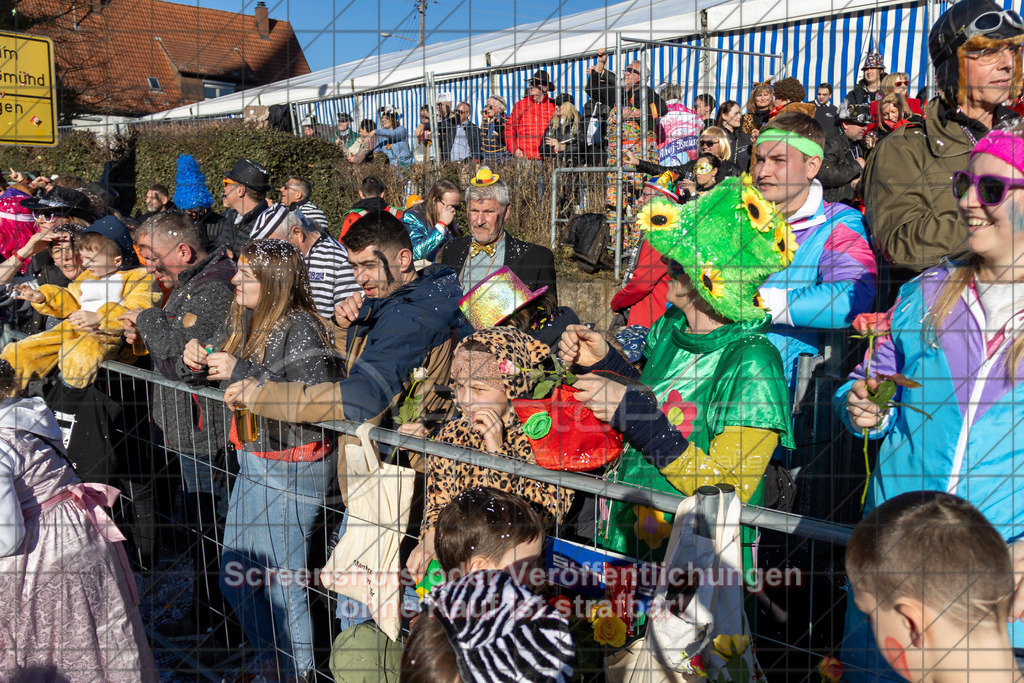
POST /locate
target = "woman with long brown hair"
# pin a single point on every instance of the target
(432, 222)
(956, 333)
(273, 333)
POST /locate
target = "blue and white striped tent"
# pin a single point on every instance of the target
(814, 41)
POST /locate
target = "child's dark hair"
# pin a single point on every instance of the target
(483, 522)
(380, 229)
(524, 318)
(936, 548)
(91, 241)
(428, 656)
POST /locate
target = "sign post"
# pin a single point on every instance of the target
(28, 102)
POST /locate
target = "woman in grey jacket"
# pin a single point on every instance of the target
(273, 333)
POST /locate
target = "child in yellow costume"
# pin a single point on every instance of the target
(111, 284)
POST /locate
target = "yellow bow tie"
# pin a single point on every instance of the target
(476, 248)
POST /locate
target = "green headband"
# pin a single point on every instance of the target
(794, 140)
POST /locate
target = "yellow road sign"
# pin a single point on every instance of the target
(28, 102)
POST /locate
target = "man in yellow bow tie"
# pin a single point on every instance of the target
(489, 247)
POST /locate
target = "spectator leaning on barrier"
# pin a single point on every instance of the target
(489, 247)
(403, 320)
(245, 194)
(344, 136)
(331, 280)
(956, 332)
(392, 137)
(845, 154)
(492, 133)
(191, 426)
(295, 195)
(524, 130)
(975, 50)
(832, 276)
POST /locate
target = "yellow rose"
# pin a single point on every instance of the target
(610, 631)
(731, 646)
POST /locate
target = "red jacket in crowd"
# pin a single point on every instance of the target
(526, 125)
(646, 293)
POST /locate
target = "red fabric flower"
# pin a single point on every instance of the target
(873, 323)
(680, 413)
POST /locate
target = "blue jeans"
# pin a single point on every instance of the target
(274, 506)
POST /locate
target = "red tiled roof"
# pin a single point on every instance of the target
(108, 54)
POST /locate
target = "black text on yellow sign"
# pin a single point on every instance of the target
(28, 105)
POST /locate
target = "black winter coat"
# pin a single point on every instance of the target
(197, 309)
(840, 167)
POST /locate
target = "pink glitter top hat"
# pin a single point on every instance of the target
(495, 298)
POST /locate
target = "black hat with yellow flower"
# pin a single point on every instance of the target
(727, 242)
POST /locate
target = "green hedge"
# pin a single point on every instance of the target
(150, 156)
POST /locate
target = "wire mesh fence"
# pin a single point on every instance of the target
(230, 546)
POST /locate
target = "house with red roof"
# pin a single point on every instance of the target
(127, 58)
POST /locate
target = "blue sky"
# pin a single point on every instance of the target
(337, 31)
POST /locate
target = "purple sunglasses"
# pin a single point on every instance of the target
(991, 188)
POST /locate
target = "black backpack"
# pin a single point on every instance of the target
(588, 237)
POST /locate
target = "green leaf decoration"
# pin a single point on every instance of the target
(543, 389)
(570, 378)
(884, 393)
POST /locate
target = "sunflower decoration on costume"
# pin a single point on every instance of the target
(727, 242)
(711, 278)
(760, 211)
(658, 214)
(785, 243)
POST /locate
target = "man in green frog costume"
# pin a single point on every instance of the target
(720, 404)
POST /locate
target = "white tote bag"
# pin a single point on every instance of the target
(364, 565)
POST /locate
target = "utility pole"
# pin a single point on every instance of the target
(422, 6)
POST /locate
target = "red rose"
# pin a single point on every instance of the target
(876, 324)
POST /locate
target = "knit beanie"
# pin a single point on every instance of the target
(190, 185)
(510, 355)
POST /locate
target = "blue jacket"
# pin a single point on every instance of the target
(966, 444)
(394, 144)
(830, 281)
(426, 239)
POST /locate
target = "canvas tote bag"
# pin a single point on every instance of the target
(364, 565)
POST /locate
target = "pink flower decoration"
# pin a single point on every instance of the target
(507, 367)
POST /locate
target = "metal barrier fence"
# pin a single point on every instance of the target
(174, 503)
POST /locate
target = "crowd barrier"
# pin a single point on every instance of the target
(794, 625)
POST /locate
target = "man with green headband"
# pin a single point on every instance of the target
(833, 274)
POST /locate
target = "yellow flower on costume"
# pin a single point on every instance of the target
(758, 301)
(658, 215)
(601, 610)
(748, 180)
(731, 646)
(610, 631)
(712, 280)
(651, 527)
(761, 212)
(785, 243)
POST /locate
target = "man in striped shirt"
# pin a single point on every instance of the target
(331, 280)
(295, 195)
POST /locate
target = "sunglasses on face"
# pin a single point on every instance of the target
(708, 143)
(991, 189)
(47, 217)
(632, 71)
(898, 83)
(228, 183)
